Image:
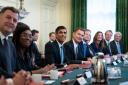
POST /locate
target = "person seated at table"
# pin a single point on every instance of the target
(73, 50)
(86, 39)
(52, 38)
(55, 53)
(22, 38)
(98, 42)
(19, 78)
(38, 55)
(107, 49)
(117, 47)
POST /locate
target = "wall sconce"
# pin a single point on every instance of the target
(22, 11)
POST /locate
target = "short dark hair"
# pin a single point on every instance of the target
(78, 28)
(59, 28)
(34, 31)
(9, 8)
(108, 31)
(21, 27)
(51, 33)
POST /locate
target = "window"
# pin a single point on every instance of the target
(101, 15)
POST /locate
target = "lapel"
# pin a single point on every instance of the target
(0, 42)
(57, 49)
(72, 47)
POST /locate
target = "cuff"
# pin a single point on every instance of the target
(9, 81)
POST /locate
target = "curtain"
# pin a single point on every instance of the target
(122, 20)
(79, 14)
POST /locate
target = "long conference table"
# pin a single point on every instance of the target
(72, 76)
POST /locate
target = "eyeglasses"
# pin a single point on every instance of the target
(25, 35)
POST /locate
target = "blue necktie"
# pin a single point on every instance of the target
(118, 48)
(84, 47)
(62, 54)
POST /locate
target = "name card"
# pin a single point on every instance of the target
(119, 61)
(114, 63)
(88, 74)
(115, 57)
(81, 81)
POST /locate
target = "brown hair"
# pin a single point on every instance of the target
(101, 44)
(9, 8)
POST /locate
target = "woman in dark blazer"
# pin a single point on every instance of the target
(26, 57)
(98, 42)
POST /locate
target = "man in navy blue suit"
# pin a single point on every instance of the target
(52, 37)
(73, 48)
(89, 52)
(9, 17)
(38, 59)
(107, 48)
(55, 54)
(117, 47)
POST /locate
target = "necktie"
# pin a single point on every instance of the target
(109, 48)
(8, 61)
(84, 49)
(76, 52)
(5, 42)
(62, 54)
(118, 48)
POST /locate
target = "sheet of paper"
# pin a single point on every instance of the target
(88, 74)
(81, 81)
(124, 83)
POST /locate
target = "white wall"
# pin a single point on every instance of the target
(54, 13)
(8, 3)
(64, 15)
(45, 16)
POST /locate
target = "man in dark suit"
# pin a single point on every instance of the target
(7, 54)
(116, 45)
(9, 17)
(52, 38)
(86, 39)
(38, 58)
(55, 54)
(107, 48)
(74, 49)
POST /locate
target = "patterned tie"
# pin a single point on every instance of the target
(62, 54)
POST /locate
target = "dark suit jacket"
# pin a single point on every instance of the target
(87, 53)
(106, 49)
(25, 62)
(114, 48)
(38, 59)
(95, 49)
(69, 46)
(8, 57)
(47, 45)
(52, 54)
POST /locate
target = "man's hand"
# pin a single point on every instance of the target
(3, 80)
(22, 78)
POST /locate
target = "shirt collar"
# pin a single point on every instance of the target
(59, 44)
(107, 41)
(75, 44)
(2, 36)
(84, 42)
